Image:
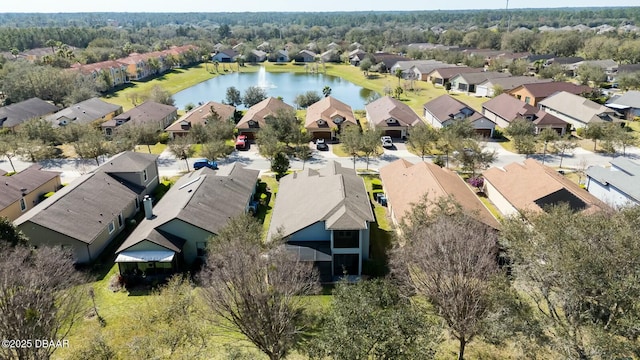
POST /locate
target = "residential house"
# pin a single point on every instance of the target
(356, 56)
(177, 229)
(113, 71)
(623, 69)
(608, 66)
(328, 117)
(257, 116)
(225, 56)
(576, 110)
(406, 184)
(441, 76)
(201, 115)
(256, 56)
(628, 104)
(24, 190)
(86, 215)
(332, 45)
(467, 82)
(305, 56)
(386, 61)
(504, 109)
(531, 186)
(409, 68)
(487, 88)
(533, 93)
(264, 46)
(147, 113)
(393, 117)
(325, 217)
(14, 115)
(282, 56)
(564, 61)
(91, 111)
(618, 185)
(445, 110)
(331, 55)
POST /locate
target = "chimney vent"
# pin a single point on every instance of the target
(148, 207)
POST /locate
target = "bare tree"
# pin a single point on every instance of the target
(40, 298)
(450, 259)
(182, 149)
(91, 145)
(9, 148)
(256, 290)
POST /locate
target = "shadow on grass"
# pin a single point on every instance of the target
(378, 263)
(263, 197)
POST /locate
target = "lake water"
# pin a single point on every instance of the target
(286, 85)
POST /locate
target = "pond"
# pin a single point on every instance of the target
(286, 85)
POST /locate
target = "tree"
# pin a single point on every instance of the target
(280, 164)
(38, 129)
(9, 148)
(91, 144)
(326, 91)
(350, 140)
(182, 149)
(370, 144)
(160, 95)
(253, 95)
(365, 66)
(595, 132)
(10, 235)
(518, 67)
(216, 149)
(522, 130)
(233, 96)
(562, 258)
(563, 147)
(472, 156)
(371, 320)
(35, 150)
(547, 135)
(308, 98)
(451, 260)
(257, 289)
(398, 74)
(42, 298)
(587, 73)
(422, 138)
(620, 136)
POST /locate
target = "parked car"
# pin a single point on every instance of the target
(386, 141)
(200, 163)
(321, 144)
(241, 142)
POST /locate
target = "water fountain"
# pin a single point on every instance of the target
(262, 79)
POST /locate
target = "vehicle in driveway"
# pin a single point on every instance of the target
(200, 163)
(241, 142)
(386, 142)
(321, 144)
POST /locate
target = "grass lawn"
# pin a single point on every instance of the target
(156, 149)
(381, 234)
(266, 194)
(173, 81)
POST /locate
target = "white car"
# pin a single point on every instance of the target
(386, 141)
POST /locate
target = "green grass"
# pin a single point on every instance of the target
(268, 186)
(156, 149)
(492, 209)
(381, 233)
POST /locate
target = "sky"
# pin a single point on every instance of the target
(52, 6)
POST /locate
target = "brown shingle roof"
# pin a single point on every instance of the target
(380, 110)
(328, 109)
(449, 72)
(258, 112)
(200, 114)
(444, 107)
(145, 113)
(542, 90)
(405, 184)
(525, 184)
(26, 181)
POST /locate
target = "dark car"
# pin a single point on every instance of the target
(199, 164)
(321, 144)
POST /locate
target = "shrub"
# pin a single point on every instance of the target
(580, 132)
(376, 184)
(163, 138)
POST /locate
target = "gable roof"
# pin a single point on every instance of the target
(478, 77)
(145, 113)
(578, 107)
(15, 114)
(405, 184)
(386, 107)
(84, 112)
(450, 71)
(629, 99)
(508, 83)
(333, 194)
(77, 211)
(389, 60)
(200, 114)
(327, 109)
(539, 185)
(206, 199)
(510, 108)
(128, 161)
(25, 182)
(258, 112)
(543, 90)
(623, 175)
(445, 107)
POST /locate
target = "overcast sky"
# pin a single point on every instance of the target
(52, 6)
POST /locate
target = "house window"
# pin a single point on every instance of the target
(346, 239)
(120, 220)
(112, 227)
(144, 175)
(201, 248)
(527, 100)
(23, 205)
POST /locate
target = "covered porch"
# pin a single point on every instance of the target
(146, 266)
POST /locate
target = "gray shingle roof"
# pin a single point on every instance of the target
(15, 114)
(333, 194)
(630, 99)
(206, 199)
(508, 83)
(84, 112)
(578, 107)
(29, 179)
(145, 113)
(82, 209)
(627, 180)
(128, 161)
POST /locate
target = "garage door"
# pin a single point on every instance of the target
(394, 133)
(484, 132)
(249, 134)
(322, 135)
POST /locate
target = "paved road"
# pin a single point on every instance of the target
(169, 166)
